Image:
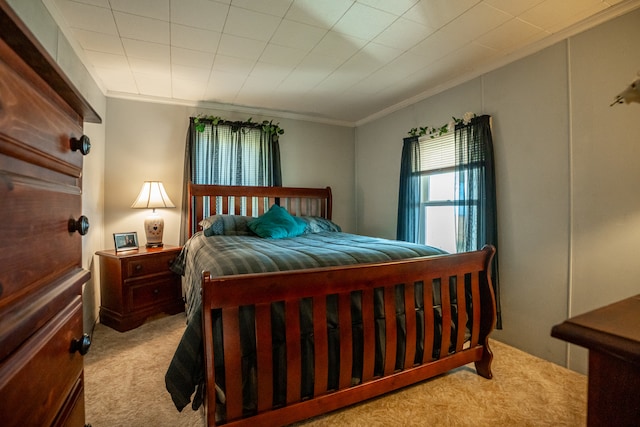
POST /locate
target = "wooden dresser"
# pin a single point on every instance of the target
(612, 335)
(41, 228)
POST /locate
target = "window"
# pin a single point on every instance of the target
(227, 155)
(440, 213)
(447, 191)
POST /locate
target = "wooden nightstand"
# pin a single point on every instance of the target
(137, 284)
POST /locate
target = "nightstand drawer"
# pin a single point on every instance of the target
(141, 266)
(151, 292)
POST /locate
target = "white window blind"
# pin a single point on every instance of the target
(437, 153)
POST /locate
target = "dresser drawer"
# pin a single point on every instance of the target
(35, 125)
(148, 293)
(36, 380)
(36, 244)
(142, 266)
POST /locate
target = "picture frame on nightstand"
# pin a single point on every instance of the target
(125, 241)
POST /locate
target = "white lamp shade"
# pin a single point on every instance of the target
(152, 195)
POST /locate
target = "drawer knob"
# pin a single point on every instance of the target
(138, 267)
(83, 144)
(82, 345)
(81, 225)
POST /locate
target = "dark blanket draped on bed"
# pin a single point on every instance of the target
(226, 255)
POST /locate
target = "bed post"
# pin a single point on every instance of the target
(209, 401)
(487, 315)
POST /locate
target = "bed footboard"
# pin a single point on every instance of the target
(413, 341)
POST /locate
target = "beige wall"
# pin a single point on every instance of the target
(567, 167)
(146, 141)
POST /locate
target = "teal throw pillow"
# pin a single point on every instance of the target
(276, 223)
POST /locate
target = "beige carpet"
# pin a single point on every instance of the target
(124, 376)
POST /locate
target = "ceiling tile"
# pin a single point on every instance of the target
(146, 50)
(436, 13)
(398, 69)
(475, 22)
(511, 7)
(150, 68)
(551, 14)
(223, 86)
(141, 28)
(233, 65)
(364, 22)
(301, 79)
(187, 90)
(120, 80)
(191, 58)
(319, 64)
(511, 34)
(101, 3)
(86, 17)
(438, 45)
(153, 84)
(205, 14)
(251, 24)
(397, 7)
(337, 82)
(156, 9)
(194, 38)
(266, 75)
(323, 14)
(338, 45)
(286, 56)
(272, 7)
(194, 74)
(240, 47)
(381, 54)
(361, 64)
(107, 60)
(90, 40)
(297, 35)
(403, 34)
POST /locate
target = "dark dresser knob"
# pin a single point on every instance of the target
(83, 144)
(81, 225)
(82, 345)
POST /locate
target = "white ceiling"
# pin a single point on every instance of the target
(343, 61)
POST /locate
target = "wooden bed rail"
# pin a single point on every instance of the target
(255, 200)
(464, 278)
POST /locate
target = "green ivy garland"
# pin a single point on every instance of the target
(267, 126)
(433, 132)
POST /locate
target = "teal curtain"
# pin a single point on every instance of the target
(409, 192)
(476, 193)
(229, 153)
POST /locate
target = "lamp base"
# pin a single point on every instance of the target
(154, 227)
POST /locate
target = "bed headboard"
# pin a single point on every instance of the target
(208, 200)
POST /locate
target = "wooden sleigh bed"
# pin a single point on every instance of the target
(370, 327)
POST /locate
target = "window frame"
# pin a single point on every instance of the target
(425, 203)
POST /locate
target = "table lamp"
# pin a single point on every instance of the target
(152, 196)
